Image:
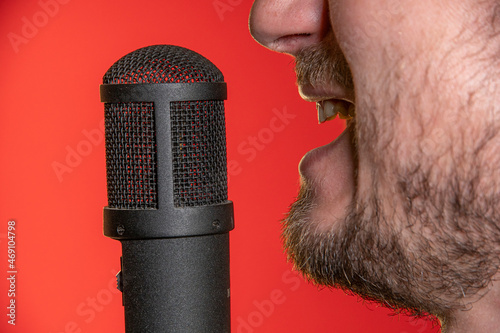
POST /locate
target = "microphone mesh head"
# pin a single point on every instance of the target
(198, 153)
(162, 64)
(198, 133)
(131, 169)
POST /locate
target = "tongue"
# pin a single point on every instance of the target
(330, 171)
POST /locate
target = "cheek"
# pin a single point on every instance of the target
(364, 28)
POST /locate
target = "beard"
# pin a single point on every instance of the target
(420, 235)
(405, 271)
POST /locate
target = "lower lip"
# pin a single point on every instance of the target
(337, 153)
(330, 171)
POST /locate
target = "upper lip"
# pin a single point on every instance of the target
(320, 93)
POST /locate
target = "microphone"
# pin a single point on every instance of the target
(166, 171)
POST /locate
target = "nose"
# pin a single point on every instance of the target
(287, 26)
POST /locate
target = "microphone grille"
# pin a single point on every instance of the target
(198, 133)
(199, 153)
(162, 64)
(131, 164)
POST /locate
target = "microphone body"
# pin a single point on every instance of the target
(167, 189)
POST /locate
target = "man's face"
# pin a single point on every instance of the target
(402, 207)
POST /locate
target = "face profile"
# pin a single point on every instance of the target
(403, 207)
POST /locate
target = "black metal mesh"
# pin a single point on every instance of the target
(131, 155)
(163, 64)
(198, 133)
(198, 153)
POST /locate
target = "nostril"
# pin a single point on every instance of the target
(291, 43)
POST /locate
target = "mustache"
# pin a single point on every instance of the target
(323, 64)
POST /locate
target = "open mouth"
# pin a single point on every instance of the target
(331, 108)
(331, 100)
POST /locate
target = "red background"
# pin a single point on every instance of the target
(53, 54)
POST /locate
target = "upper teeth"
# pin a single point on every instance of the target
(328, 110)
